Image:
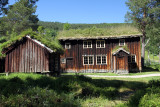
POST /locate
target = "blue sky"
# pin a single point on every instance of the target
(81, 11)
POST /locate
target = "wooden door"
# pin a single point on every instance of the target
(120, 63)
(69, 63)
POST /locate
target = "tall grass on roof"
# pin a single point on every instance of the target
(52, 43)
(96, 32)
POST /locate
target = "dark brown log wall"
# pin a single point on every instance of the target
(28, 56)
(74, 59)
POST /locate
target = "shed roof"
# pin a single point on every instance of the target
(11, 46)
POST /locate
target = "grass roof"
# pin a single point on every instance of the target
(52, 43)
(125, 30)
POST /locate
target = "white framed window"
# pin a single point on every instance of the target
(87, 44)
(101, 59)
(100, 43)
(132, 59)
(63, 60)
(88, 60)
(67, 45)
(122, 42)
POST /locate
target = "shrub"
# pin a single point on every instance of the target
(40, 97)
(134, 100)
(150, 100)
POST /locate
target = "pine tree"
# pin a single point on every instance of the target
(20, 16)
(144, 14)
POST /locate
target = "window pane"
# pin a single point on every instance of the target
(98, 44)
(85, 60)
(90, 60)
(67, 46)
(133, 58)
(85, 44)
(102, 44)
(122, 42)
(63, 60)
(129, 59)
(103, 59)
(98, 59)
(89, 44)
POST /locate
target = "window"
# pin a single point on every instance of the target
(63, 60)
(67, 46)
(88, 60)
(132, 59)
(121, 42)
(87, 44)
(101, 59)
(100, 44)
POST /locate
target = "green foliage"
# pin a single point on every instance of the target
(20, 16)
(117, 47)
(150, 100)
(33, 89)
(40, 97)
(52, 43)
(145, 16)
(98, 32)
(3, 3)
(66, 26)
(59, 26)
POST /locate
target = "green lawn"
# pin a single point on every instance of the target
(20, 89)
(156, 58)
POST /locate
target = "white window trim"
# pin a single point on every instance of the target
(88, 59)
(131, 58)
(66, 45)
(135, 58)
(101, 59)
(64, 60)
(87, 43)
(100, 43)
(124, 42)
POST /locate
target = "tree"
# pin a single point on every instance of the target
(144, 14)
(20, 16)
(3, 3)
(66, 26)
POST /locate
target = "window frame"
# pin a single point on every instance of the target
(66, 45)
(120, 42)
(88, 59)
(131, 59)
(101, 60)
(100, 43)
(64, 61)
(87, 44)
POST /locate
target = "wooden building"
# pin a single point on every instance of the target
(30, 55)
(119, 54)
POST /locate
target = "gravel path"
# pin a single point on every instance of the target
(136, 76)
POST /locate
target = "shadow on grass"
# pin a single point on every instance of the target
(81, 86)
(149, 69)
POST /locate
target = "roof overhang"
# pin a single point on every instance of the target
(41, 44)
(99, 37)
(120, 49)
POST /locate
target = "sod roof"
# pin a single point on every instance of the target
(99, 33)
(49, 43)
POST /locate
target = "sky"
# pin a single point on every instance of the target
(81, 11)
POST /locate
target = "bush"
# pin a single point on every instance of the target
(150, 100)
(134, 100)
(39, 97)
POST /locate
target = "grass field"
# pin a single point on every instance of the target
(21, 89)
(156, 58)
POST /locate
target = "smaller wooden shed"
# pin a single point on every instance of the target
(30, 55)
